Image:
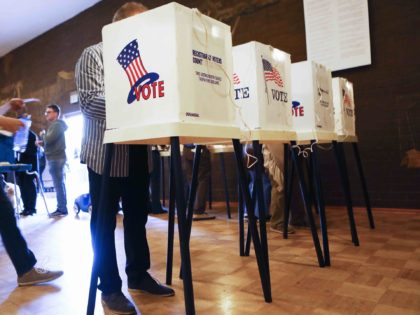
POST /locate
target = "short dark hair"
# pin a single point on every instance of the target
(127, 10)
(55, 108)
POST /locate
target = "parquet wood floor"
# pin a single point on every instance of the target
(381, 277)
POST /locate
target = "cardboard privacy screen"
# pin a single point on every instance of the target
(312, 105)
(262, 88)
(168, 73)
(344, 108)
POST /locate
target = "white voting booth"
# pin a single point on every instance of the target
(312, 102)
(344, 109)
(168, 73)
(262, 92)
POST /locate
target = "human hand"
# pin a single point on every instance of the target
(10, 124)
(39, 143)
(16, 104)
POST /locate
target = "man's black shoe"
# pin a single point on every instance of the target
(27, 212)
(117, 303)
(150, 285)
(159, 211)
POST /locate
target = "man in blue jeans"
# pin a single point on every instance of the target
(21, 256)
(54, 144)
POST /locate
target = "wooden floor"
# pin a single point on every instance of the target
(382, 276)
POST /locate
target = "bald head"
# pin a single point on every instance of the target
(129, 9)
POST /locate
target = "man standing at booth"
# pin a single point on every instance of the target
(129, 180)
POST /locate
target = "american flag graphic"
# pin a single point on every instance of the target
(236, 79)
(346, 99)
(129, 59)
(271, 73)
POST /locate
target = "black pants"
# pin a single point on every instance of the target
(22, 258)
(134, 193)
(155, 182)
(27, 190)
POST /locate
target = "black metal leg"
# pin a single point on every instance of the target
(241, 221)
(261, 200)
(312, 195)
(262, 264)
(192, 193)
(286, 190)
(182, 226)
(320, 203)
(210, 192)
(162, 167)
(223, 168)
(341, 163)
(100, 220)
(171, 224)
(364, 186)
(308, 210)
(248, 234)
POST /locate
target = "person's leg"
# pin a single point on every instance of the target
(28, 192)
(21, 256)
(155, 184)
(56, 168)
(187, 159)
(134, 191)
(110, 281)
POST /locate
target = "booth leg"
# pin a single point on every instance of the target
(261, 202)
(341, 162)
(162, 168)
(182, 226)
(364, 186)
(259, 253)
(305, 199)
(319, 198)
(171, 224)
(241, 221)
(192, 193)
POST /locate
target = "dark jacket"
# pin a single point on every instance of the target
(30, 155)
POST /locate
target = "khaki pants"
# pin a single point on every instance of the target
(273, 162)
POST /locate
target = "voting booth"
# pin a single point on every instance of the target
(168, 73)
(344, 109)
(262, 91)
(312, 101)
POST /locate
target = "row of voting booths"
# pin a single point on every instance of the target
(173, 77)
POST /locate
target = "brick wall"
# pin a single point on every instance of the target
(387, 93)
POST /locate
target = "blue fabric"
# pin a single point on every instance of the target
(56, 168)
(6, 149)
(21, 256)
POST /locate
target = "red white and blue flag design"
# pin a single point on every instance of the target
(236, 79)
(130, 60)
(271, 73)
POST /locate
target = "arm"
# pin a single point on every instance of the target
(90, 84)
(14, 103)
(10, 124)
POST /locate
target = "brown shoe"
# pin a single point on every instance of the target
(38, 275)
(279, 229)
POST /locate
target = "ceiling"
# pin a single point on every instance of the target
(23, 20)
